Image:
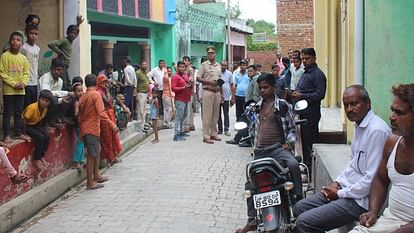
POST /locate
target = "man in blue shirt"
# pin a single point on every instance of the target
(226, 94)
(241, 81)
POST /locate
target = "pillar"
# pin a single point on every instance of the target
(108, 48)
(146, 53)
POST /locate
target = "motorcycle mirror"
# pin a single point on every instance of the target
(240, 125)
(301, 105)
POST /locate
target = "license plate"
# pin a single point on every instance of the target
(264, 200)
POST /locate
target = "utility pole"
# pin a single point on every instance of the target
(229, 57)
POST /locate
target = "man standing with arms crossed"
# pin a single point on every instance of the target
(208, 75)
(312, 88)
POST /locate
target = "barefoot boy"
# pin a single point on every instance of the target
(33, 118)
(91, 112)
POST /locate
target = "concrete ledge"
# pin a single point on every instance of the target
(329, 161)
(21, 208)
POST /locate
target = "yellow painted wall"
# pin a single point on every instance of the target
(157, 10)
(334, 44)
(15, 12)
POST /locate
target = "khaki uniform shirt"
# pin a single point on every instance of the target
(210, 71)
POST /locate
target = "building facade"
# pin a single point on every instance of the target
(140, 29)
(294, 24)
(364, 42)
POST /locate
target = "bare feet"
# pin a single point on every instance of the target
(155, 141)
(7, 139)
(45, 163)
(24, 137)
(20, 178)
(38, 164)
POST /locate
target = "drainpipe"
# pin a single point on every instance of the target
(359, 41)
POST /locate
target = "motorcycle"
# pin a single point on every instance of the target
(272, 188)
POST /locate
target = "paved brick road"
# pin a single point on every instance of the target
(178, 187)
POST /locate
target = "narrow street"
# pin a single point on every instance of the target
(172, 186)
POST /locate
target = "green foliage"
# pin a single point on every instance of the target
(235, 11)
(261, 46)
(261, 26)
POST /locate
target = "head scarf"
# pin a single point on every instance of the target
(101, 79)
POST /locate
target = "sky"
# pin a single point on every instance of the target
(257, 9)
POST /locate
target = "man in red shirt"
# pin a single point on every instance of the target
(181, 86)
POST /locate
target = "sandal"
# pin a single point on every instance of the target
(95, 186)
(102, 179)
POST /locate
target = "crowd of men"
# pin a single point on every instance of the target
(380, 154)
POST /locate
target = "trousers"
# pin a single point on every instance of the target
(141, 100)
(316, 214)
(210, 108)
(180, 114)
(225, 107)
(41, 138)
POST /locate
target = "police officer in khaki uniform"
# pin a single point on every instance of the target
(208, 75)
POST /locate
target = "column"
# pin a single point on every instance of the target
(107, 47)
(146, 53)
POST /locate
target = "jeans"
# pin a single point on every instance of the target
(41, 139)
(240, 101)
(225, 107)
(316, 214)
(129, 101)
(12, 104)
(180, 114)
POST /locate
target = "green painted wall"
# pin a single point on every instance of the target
(162, 44)
(199, 50)
(134, 52)
(388, 49)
